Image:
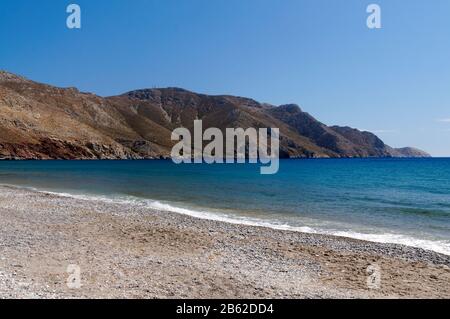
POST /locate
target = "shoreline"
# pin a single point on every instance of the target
(170, 159)
(246, 221)
(137, 252)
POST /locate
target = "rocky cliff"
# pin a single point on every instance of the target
(39, 121)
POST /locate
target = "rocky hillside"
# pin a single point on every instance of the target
(39, 121)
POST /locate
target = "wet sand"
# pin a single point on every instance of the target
(127, 251)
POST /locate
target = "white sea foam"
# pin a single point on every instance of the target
(437, 246)
(442, 247)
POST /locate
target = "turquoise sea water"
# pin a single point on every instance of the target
(385, 200)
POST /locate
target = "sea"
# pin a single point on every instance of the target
(403, 201)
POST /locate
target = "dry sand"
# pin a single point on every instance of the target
(126, 251)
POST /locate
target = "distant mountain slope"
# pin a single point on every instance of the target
(408, 152)
(39, 121)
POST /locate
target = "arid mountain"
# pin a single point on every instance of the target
(39, 121)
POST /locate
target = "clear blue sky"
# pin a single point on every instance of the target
(316, 53)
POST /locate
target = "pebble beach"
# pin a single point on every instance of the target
(126, 251)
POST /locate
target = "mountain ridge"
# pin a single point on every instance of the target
(40, 121)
